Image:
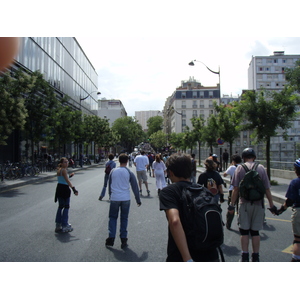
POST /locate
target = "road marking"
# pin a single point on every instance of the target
(279, 220)
(288, 250)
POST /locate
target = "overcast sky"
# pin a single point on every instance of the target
(141, 49)
(143, 72)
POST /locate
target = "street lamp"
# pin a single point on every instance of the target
(98, 93)
(217, 73)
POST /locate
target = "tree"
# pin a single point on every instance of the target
(13, 112)
(229, 120)
(293, 76)
(211, 132)
(130, 132)
(189, 139)
(154, 124)
(158, 139)
(265, 113)
(41, 104)
(198, 126)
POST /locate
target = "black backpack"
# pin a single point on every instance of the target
(202, 219)
(252, 187)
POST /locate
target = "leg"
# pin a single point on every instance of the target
(113, 217)
(125, 206)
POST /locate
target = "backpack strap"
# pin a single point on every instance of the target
(245, 168)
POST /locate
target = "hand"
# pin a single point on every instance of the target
(139, 204)
(281, 210)
(222, 198)
(71, 175)
(75, 191)
(231, 209)
(273, 210)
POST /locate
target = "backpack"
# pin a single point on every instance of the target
(251, 187)
(107, 169)
(202, 219)
(212, 186)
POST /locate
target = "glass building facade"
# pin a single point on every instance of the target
(65, 66)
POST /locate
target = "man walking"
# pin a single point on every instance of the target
(251, 214)
(119, 182)
(141, 163)
(180, 249)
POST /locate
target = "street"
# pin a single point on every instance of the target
(27, 226)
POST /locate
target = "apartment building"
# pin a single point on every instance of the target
(143, 116)
(111, 109)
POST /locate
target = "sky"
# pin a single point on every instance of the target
(143, 71)
(141, 49)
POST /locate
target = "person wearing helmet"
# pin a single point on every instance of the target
(251, 214)
(293, 200)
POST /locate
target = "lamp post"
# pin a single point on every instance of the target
(217, 73)
(82, 99)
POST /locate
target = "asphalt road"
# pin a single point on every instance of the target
(27, 227)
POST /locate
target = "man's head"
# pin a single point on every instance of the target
(180, 166)
(236, 159)
(297, 166)
(248, 153)
(123, 158)
(142, 152)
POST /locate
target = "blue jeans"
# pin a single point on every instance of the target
(62, 215)
(104, 186)
(114, 208)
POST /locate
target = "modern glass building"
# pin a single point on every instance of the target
(65, 66)
(68, 70)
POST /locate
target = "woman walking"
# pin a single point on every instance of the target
(159, 169)
(62, 195)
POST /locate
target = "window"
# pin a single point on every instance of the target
(195, 114)
(195, 104)
(183, 104)
(194, 94)
(201, 94)
(201, 103)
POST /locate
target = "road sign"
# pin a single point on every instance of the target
(220, 141)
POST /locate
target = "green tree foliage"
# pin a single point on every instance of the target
(189, 139)
(130, 132)
(154, 124)
(265, 113)
(198, 127)
(293, 76)
(41, 104)
(158, 140)
(176, 140)
(13, 113)
(211, 132)
(229, 120)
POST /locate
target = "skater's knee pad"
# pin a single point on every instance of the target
(254, 232)
(244, 232)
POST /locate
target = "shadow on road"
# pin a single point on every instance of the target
(127, 255)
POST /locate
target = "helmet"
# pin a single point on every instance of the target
(248, 153)
(297, 163)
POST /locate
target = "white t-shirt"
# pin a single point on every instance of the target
(141, 162)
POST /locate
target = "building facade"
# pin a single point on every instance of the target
(189, 100)
(268, 72)
(66, 68)
(111, 109)
(143, 116)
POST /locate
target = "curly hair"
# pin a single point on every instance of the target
(210, 165)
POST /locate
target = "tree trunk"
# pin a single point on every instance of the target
(268, 157)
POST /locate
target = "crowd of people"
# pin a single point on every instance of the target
(181, 170)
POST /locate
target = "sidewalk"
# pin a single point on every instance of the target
(7, 184)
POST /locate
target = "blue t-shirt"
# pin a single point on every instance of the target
(293, 192)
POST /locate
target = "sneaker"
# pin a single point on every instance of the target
(255, 257)
(67, 228)
(124, 242)
(148, 192)
(244, 257)
(109, 242)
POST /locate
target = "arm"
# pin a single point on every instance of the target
(178, 233)
(65, 174)
(135, 188)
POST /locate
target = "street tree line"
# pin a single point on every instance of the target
(262, 113)
(29, 104)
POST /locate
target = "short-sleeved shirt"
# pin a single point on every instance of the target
(203, 177)
(240, 173)
(170, 199)
(141, 162)
(293, 192)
